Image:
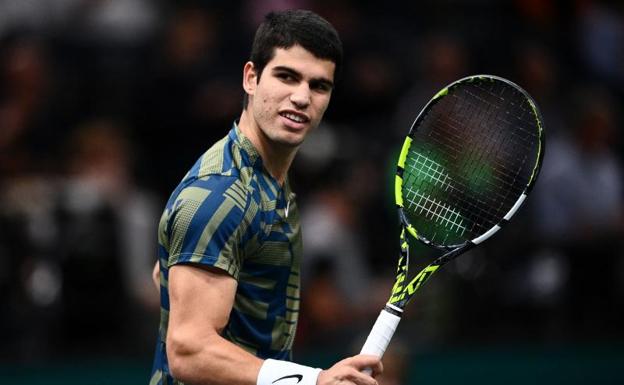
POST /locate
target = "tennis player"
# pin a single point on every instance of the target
(229, 237)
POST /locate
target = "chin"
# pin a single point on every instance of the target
(290, 139)
(291, 142)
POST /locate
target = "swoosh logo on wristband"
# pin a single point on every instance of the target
(299, 377)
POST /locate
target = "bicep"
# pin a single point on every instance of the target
(200, 301)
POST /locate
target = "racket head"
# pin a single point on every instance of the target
(471, 157)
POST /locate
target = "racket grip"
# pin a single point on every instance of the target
(380, 335)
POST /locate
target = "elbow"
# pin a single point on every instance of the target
(188, 358)
(179, 357)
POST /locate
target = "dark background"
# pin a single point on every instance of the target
(105, 104)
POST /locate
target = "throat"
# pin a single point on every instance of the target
(276, 158)
(278, 166)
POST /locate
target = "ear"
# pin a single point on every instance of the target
(250, 78)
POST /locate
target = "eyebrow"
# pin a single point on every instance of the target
(298, 75)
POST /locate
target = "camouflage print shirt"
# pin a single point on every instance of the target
(229, 213)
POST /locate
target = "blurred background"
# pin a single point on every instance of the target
(105, 104)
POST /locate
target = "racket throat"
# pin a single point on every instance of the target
(392, 309)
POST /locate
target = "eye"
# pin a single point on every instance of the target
(286, 77)
(321, 87)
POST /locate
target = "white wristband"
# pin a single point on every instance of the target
(275, 372)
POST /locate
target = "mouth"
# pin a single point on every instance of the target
(295, 117)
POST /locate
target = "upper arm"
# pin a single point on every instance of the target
(200, 303)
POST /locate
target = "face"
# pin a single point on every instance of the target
(291, 96)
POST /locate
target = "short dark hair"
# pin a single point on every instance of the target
(285, 29)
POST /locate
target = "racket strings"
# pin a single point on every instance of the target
(471, 158)
(455, 125)
(438, 211)
(483, 134)
(420, 206)
(501, 171)
(484, 142)
(422, 203)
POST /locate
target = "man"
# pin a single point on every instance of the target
(230, 241)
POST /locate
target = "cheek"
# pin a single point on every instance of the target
(260, 102)
(265, 106)
(264, 110)
(265, 102)
(322, 106)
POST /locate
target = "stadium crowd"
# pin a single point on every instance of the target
(105, 104)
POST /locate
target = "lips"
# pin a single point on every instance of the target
(294, 116)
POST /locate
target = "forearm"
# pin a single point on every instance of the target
(211, 360)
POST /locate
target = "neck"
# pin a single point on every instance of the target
(276, 158)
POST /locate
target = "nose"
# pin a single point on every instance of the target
(300, 97)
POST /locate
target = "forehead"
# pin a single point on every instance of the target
(302, 61)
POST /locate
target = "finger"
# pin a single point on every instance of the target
(362, 361)
(377, 369)
(359, 378)
(373, 371)
(366, 361)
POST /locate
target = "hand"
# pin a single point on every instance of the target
(349, 371)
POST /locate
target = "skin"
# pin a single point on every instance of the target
(296, 82)
(293, 82)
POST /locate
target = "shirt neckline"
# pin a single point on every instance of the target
(284, 192)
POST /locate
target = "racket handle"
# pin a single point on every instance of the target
(380, 335)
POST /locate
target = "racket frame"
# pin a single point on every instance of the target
(402, 291)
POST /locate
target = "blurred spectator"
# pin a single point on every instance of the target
(34, 16)
(26, 141)
(77, 230)
(184, 95)
(80, 252)
(445, 62)
(107, 240)
(254, 11)
(332, 218)
(578, 170)
(601, 39)
(536, 68)
(30, 275)
(119, 21)
(579, 207)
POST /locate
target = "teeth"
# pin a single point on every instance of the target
(294, 117)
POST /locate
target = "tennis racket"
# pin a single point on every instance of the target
(468, 163)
